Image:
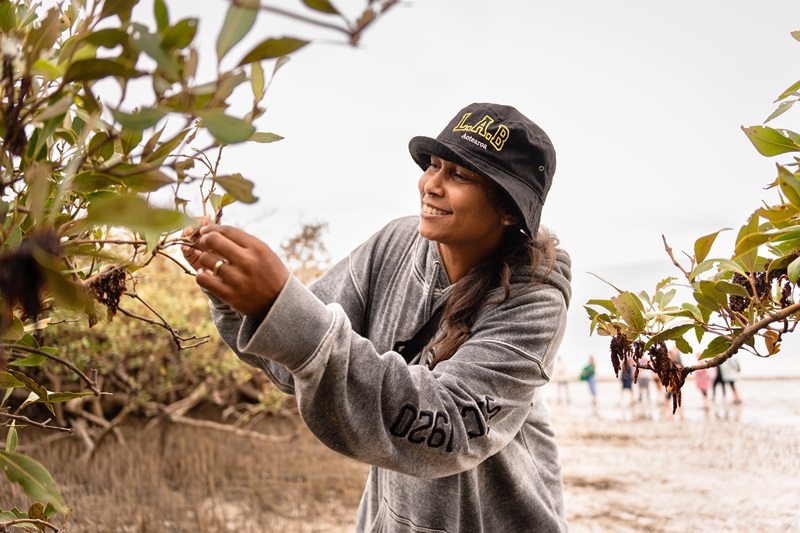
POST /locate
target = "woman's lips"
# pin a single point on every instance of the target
(434, 211)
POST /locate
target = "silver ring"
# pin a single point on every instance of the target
(217, 266)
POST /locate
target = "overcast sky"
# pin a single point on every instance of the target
(643, 100)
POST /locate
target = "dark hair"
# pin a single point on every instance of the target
(518, 253)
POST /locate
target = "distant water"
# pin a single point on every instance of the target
(764, 402)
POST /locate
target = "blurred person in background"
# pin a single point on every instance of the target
(561, 377)
(589, 375)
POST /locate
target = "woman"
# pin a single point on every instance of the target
(458, 435)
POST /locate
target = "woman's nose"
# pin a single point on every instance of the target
(433, 185)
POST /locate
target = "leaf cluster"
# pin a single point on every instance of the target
(746, 300)
(105, 131)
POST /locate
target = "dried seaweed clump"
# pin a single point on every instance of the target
(107, 287)
(672, 375)
(763, 283)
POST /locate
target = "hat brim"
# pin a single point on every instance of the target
(422, 148)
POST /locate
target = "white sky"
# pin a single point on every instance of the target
(643, 101)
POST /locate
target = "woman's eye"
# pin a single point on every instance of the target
(460, 177)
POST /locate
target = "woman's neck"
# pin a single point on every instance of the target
(458, 261)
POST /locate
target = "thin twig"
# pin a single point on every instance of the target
(19, 347)
(28, 421)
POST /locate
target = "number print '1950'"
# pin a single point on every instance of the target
(433, 428)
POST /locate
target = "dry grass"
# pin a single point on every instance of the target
(185, 479)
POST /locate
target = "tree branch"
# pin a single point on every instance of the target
(738, 341)
(28, 421)
(91, 384)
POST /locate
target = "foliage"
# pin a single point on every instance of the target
(305, 253)
(746, 301)
(100, 116)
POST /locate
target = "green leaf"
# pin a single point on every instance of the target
(8, 17)
(180, 35)
(91, 181)
(629, 309)
(669, 334)
(36, 481)
(238, 187)
(129, 139)
(54, 109)
(683, 345)
(264, 137)
(226, 129)
(790, 186)
(770, 142)
(793, 270)
(272, 48)
(161, 14)
(783, 107)
(107, 38)
(606, 304)
(715, 347)
(752, 242)
(664, 298)
(606, 282)
(150, 44)
(33, 387)
(257, 80)
(166, 148)
(42, 37)
(321, 5)
(61, 397)
(795, 86)
(725, 265)
(731, 288)
(748, 260)
(147, 181)
(709, 289)
(7, 381)
(706, 302)
(32, 360)
(238, 22)
(142, 119)
(703, 245)
(12, 438)
(121, 8)
(135, 213)
(95, 69)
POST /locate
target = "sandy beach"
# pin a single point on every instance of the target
(731, 468)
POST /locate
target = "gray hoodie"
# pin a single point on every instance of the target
(465, 447)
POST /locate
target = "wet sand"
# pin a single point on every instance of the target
(728, 468)
(731, 468)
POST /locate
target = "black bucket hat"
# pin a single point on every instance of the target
(499, 143)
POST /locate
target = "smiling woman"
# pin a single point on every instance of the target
(424, 352)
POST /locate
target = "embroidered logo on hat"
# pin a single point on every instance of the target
(497, 137)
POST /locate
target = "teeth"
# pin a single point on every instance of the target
(433, 211)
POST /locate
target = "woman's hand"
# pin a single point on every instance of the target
(190, 236)
(238, 268)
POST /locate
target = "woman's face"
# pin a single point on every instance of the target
(456, 210)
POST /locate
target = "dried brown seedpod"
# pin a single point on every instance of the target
(107, 287)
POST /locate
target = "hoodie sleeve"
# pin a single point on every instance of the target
(428, 423)
(342, 283)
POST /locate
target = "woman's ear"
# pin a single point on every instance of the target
(509, 220)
